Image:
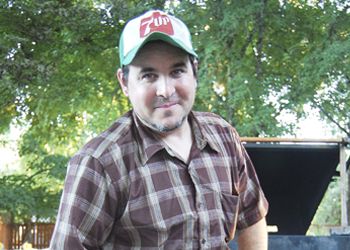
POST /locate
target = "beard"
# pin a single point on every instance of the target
(161, 128)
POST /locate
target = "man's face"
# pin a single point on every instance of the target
(161, 86)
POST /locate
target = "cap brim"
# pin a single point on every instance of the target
(157, 36)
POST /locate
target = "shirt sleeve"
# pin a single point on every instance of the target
(253, 205)
(88, 206)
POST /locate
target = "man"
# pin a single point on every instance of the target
(162, 176)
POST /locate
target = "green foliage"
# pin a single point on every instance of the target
(23, 197)
(329, 213)
(258, 61)
(265, 59)
(35, 192)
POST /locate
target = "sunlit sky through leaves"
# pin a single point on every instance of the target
(311, 128)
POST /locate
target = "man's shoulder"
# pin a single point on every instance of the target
(117, 134)
(210, 119)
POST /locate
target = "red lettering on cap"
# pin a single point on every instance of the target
(157, 22)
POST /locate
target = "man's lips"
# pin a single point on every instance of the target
(165, 105)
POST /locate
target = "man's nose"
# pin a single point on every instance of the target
(165, 87)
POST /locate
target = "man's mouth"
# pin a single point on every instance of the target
(165, 105)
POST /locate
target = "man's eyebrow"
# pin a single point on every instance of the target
(151, 69)
(147, 69)
(179, 65)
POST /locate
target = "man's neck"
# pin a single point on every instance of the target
(180, 140)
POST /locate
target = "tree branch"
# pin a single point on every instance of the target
(259, 44)
(248, 41)
(332, 119)
(33, 175)
(347, 80)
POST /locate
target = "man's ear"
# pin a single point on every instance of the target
(196, 65)
(195, 68)
(122, 82)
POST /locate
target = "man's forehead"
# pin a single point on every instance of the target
(148, 68)
(151, 66)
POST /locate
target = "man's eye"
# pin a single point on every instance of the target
(150, 77)
(177, 72)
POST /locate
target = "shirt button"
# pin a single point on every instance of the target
(203, 241)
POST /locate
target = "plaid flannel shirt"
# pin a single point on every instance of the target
(126, 189)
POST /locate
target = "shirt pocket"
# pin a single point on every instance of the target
(230, 206)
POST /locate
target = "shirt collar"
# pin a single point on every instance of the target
(149, 144)
(202, 135)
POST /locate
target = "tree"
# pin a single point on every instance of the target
(259, 60)
(54, 81)
(49, 80)
(264, 58)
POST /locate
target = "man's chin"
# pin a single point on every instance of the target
(163, 124)
(166, 126)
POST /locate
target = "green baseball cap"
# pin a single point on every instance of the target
(150, 26)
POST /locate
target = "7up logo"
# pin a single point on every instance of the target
(156, 23)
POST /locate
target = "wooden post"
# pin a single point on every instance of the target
(344, 228)
(5, 235)
(344, 186)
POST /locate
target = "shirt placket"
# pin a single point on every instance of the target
(201, 207)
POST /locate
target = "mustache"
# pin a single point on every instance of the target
(159, 100)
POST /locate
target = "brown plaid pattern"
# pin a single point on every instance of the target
(127, 190)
